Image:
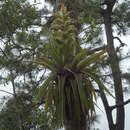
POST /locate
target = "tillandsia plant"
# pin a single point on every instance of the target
(68, 90)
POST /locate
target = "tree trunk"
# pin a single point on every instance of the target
(76, 125)
(114, 62)
(107, 109)
(16, 101)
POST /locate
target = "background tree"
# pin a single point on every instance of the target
(19, 44)
(30, 118)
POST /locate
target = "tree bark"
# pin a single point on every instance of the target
(114, 62)
(16, 101)
(76, 125)
(108, 111)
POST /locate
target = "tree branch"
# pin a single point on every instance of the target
(106, 106)
(97, 49)
(7, 92)
(122, 44)
(119, 105)
(125, 57)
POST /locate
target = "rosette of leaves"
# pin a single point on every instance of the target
(68, 90)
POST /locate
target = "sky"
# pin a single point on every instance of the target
(102, 125)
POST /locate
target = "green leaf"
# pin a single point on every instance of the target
(94, 58)
(69, 103)
(43, 89)
(46, 63)
(56, 58)
(82, 93)
(76, 98)
(61, 82)
(49, 97)
(91, 88)
(82, 54)
(100, 84)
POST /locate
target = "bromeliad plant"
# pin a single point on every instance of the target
(68, 90)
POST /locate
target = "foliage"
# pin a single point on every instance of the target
(19, 44)
(31, 119)
(121, 16)
(16, 15)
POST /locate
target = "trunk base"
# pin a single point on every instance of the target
(76, 125)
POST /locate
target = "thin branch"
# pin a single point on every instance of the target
(108, 2)
(125, 57)
(119, 105)
(7, 92)
(36, 3)
(97, 49)
(106, 106)
(122, 44)
(4, 53)
(2, 41)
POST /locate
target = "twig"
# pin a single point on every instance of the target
(97, 49)
(119, 105)
(7, 92)
(122, 44)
